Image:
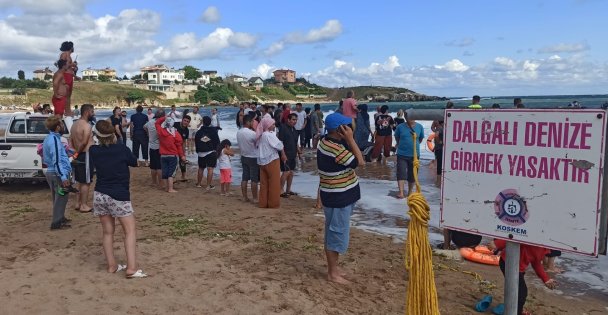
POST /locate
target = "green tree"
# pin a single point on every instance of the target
(103, 78)
(191, 73)
(134, 97)
(19, 87)
(136, 77)
(201, 96)
(125, 77)
(21, 75)
(48, 77)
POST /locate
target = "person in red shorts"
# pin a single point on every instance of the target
(67, 48)
(60, 89)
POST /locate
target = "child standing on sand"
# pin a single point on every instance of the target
(224, 152)
(529, 255)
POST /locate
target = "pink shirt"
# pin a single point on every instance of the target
(349, 106)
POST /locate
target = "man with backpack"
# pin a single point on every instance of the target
(206, 141)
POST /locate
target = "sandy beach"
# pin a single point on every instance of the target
(208, 254)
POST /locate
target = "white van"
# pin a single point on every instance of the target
(19, 159)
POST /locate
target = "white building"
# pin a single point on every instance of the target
(42, 74)
(162, 75)
(90, 74)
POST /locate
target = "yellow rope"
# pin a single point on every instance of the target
(421, 291)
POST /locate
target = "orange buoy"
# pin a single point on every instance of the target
(430, 142)
(481, 254)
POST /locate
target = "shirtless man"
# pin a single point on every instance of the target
(81, 139)
(67, 48)
(60, 88)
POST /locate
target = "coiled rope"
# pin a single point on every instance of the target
(421, 291)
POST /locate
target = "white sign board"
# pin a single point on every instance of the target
(531, 176)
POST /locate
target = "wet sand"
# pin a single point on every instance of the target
(208, 254)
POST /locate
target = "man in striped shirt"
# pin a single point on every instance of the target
(337, 157)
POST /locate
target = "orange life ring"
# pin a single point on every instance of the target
(430, 143)
(481, 254)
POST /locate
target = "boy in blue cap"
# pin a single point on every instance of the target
(337, 157)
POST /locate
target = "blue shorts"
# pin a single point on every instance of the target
(168, 165)
(337, 228)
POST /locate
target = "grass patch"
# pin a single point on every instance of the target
(272, 245)
(21, 211)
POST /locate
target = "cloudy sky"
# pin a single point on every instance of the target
(441, 47)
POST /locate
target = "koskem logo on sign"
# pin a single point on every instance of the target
(511, 208)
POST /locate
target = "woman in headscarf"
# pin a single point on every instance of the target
(269, 147)
(170, 149)
(112, 199)
(362, 134)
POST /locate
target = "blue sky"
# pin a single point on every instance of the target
(446, 48)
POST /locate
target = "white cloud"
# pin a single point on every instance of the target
(274, 48)
(464, 42)
(565, 48)
(43, 7)
(187, 46)
(264, 71)
(328, 32)
(499, 76)
(3, 63)
(504, 61)
(453, 65)
(211, 15)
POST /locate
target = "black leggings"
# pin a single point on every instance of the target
(523, 288)
(439, 160)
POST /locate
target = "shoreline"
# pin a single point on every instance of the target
(211, 254)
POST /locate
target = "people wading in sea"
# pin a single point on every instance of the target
(405, 153)
(475, 102)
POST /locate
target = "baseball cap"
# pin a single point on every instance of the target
(335, 120)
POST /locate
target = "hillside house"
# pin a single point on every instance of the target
(284, 76)
(89, 74)
(211, 73)
(256, 82)
(41, 74)
(162, 75)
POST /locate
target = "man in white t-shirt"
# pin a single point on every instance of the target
(175, 114)
(246, 140)
(196, 120)
(215, 119)
(301, 123)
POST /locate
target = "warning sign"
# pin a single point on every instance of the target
(532, 176)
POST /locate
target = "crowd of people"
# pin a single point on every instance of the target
(271, 141)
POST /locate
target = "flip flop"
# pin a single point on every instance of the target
(285, 195)
(291, 193)
(120, 268)
(499, 309)
(138, 274)
(484, 304)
